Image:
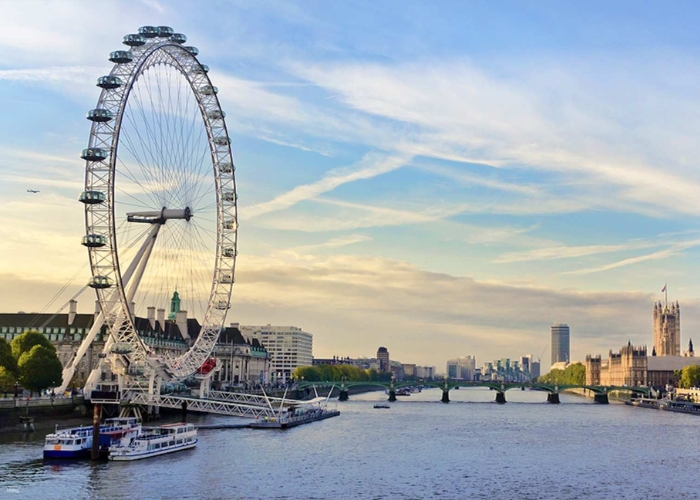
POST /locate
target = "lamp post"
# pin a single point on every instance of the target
(16, 389)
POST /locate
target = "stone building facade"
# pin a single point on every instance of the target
(667, 329)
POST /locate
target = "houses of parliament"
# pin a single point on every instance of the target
(635, 366)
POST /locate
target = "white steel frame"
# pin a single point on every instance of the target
(100, 219)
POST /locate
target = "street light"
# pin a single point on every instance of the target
(16, 389)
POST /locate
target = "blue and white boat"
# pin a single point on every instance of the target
(76, 442)
(156, 441)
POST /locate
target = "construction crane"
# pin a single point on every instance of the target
(539, 358)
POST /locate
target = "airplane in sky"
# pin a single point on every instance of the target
(33, 191)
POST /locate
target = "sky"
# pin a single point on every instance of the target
(440, 178)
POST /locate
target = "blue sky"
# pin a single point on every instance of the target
(441, 178)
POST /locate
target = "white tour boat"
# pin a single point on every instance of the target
(154, 441)
(76, 442)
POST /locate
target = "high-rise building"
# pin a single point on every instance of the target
(535, 369)
(461, 368)
(287, 346)
(560, 343)
(667, 329)
(383, 358)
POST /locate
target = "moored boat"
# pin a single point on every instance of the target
(293, 416)
(156, 441)
(76, 442)
(382, 406)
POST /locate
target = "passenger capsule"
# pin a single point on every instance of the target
(229, 252)
(92, 197)
(109, 82)
(200, 69)
(134, 40)
(100, 115)
(208, 90)
(216, 115)
(94, 154)
(148, 31)
(230, 224)
(222, 305)
(192, 50)
(121, 56)
(229, 196)
(226, 168)
(164, 31)
(94, 241)
(222, 141)
(178, 38)
(226, 278)
(100, 282)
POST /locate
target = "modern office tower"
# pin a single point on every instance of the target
(383, 357)
(287, 346)
(667, 329)
(560, 343)
(461, 368)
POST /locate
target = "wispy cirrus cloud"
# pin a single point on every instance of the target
(371, 165)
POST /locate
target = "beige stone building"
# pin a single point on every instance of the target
(627, 367)
(667, 329)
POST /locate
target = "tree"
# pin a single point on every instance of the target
(26, 341)
(7, 379)
(575, 374)
(40, 368)
(690, 376)
(7, 360)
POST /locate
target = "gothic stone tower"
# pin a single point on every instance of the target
(667, 329)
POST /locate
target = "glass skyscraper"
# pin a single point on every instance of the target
(560, 343)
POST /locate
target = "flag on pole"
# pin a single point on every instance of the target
(664, 288)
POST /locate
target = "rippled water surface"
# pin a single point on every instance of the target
(420, 448)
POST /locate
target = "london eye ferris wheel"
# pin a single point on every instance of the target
(160, 197)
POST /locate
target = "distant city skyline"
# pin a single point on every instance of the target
(440, 179)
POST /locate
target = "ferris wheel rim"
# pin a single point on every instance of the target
(133, 64)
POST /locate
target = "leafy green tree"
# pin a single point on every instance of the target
(575, 374)
(321, 373)
(40, 368)
(7, 360)
(690, 376)
(25, 342)
(7, 379)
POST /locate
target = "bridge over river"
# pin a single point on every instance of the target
(600, 392)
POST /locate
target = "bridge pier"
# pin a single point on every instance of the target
(553, 398)
(445, 396)
(343, 396)
(601, 399)
(392, 395)
(500, 397)
(184, 411)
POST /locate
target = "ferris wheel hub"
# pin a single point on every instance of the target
(159, 217)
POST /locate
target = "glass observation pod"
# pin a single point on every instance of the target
(229, 252)
(134, 40)
(94, 240)
(100, 282)
(109, 82)
(222, 305)
(192, 50)
(121, 348)
(148, 31)
(92, 197)
(94, 154)
(100, 115)
(229, 196)
(226, 279)
(201, 69)
(121, 56)
(222, 141)
(230, 224)
(216, 114)
(226, 168)
(208, 90)
(178, 38)
(165, 31)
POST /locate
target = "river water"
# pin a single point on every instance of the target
(419, 448)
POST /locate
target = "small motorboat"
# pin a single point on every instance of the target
(382, 406)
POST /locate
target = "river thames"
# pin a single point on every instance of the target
(420, 448)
